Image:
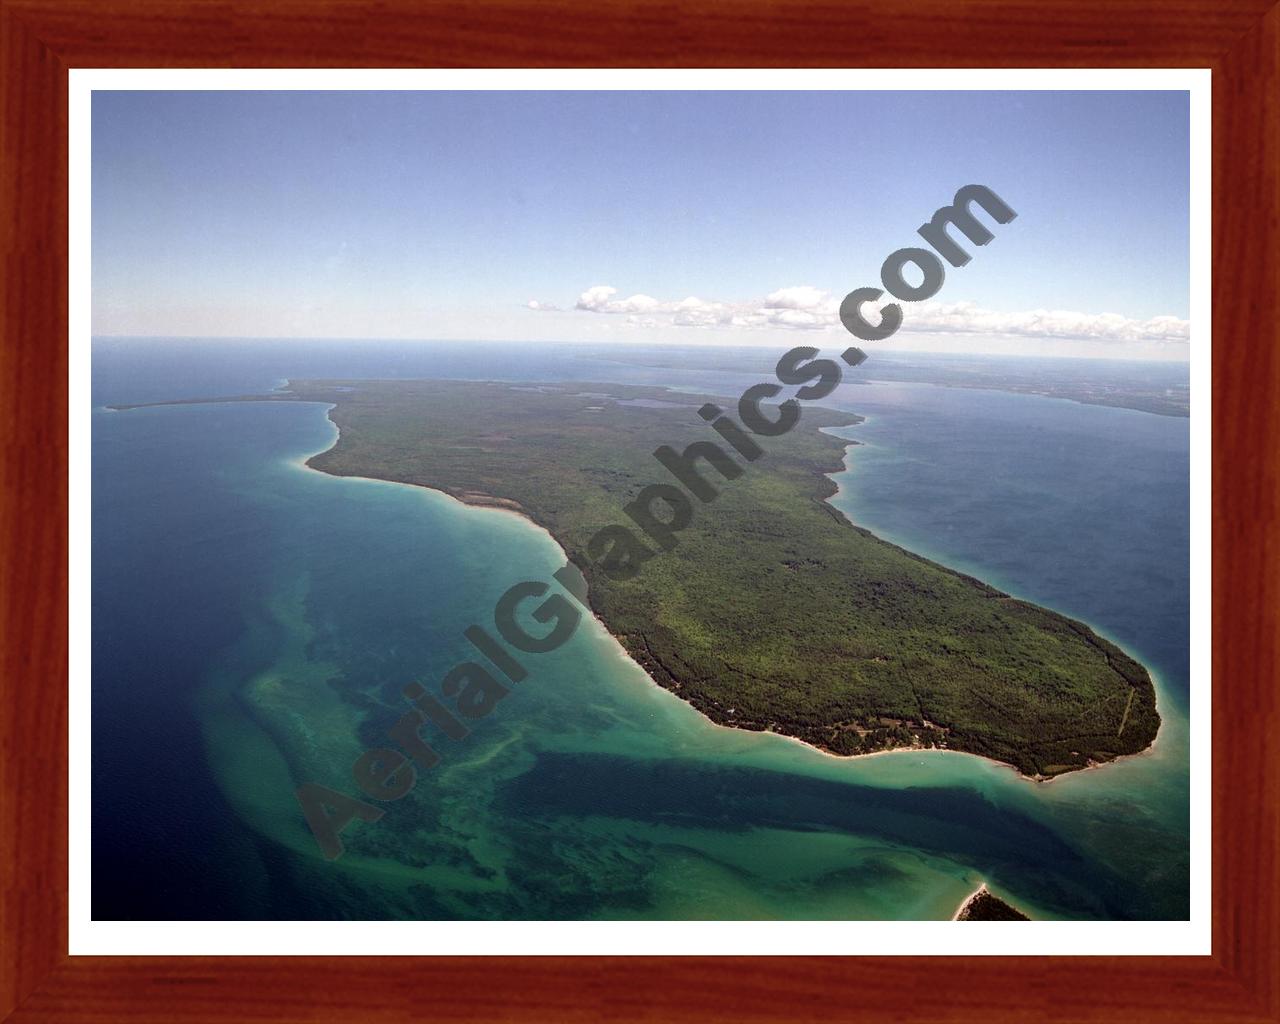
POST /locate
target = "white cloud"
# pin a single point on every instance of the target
(966, 318)
(798, 297)
(599, 299)
(542, 307)
(806, 308)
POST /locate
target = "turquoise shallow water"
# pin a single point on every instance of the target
(229, 579)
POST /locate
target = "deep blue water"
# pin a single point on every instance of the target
(198, 529)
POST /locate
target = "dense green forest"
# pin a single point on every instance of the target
(772, 610)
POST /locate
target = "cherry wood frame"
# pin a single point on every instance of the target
(41, 39)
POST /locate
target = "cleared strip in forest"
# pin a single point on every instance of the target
(1125, 717)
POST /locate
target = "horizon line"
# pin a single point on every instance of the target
(1120, 357)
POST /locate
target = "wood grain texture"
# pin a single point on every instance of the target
(40, 40)
(636, 33)
(1246, 489)
(33, 514)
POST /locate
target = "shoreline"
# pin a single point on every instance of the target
(964, 905)
(1033, 779)
(511, 508)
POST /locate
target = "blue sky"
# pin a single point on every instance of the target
(730, 216)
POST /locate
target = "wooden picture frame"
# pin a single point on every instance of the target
(41, 40)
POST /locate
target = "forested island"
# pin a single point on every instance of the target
(773, 611)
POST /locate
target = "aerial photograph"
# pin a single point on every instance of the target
(641, 505)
